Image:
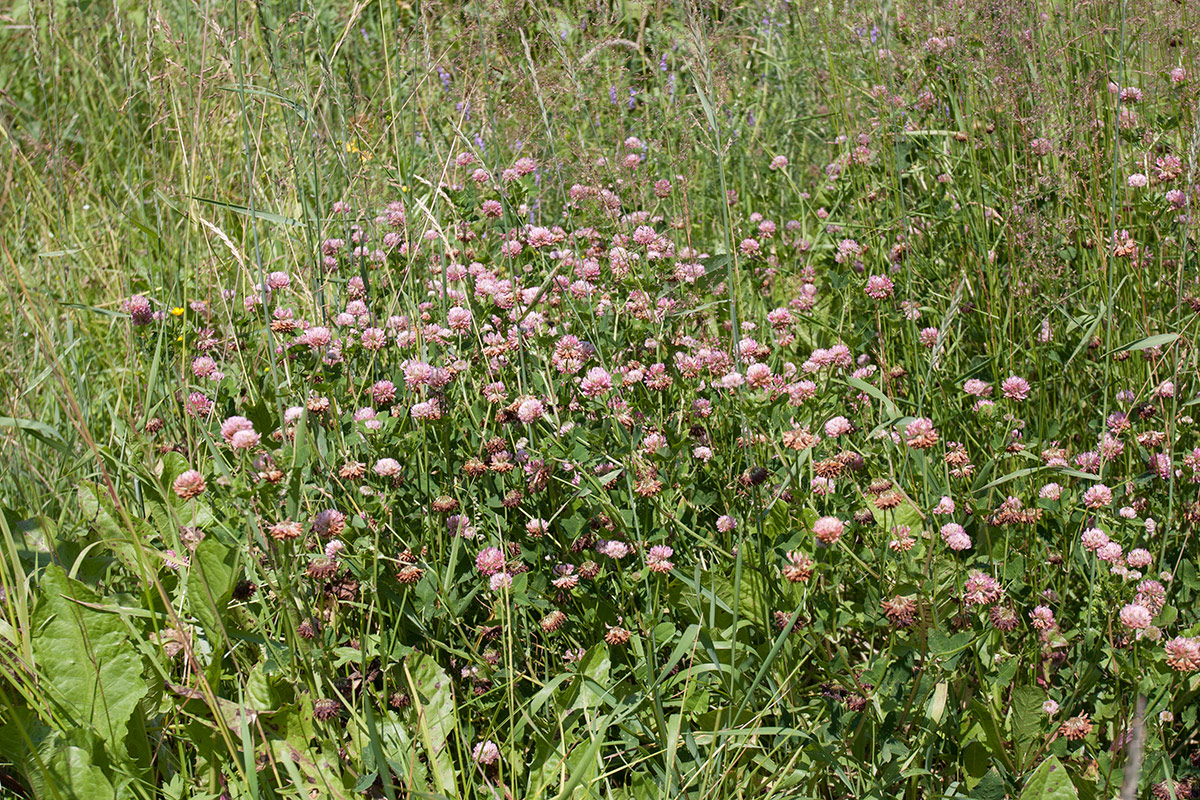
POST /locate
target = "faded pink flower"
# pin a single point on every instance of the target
(920, 434)
(837, 426)
(244, 440)
(486, 753)
(977, 388)
(234, 424)
(530, 410)
(955, 536)
(189, 484)
(1042, 618)
(1183, 653)
(1136, 617)
(828, 529)
(658, 558)
(387, 468)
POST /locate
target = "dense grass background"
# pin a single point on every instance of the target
(183, 151)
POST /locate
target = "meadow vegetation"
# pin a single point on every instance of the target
(613, 399)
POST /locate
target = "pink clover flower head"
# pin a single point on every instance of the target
(658, 558)
(1139, 557)
(316, 338)
(329, 522)
(244, 440)
(920, 434)
(955, 536)
(489, 561)
(1015, 388)
(1093, 539)
(459, 318)
(977, 388)
(828, 529)
(387, 468)
(879, 287)
(486, 753)
(1051, 491)
(530, 410)
(732, 380)
(1042, 618)
(1110, 553)
(758, 375)
(140, 310)
(612, 548)
(1183, 653)
(233, 425)
(426, 410)
(1136, 617)
(596, 382)
(981, 589)
(1097, 496)
(189, 484)
(837, 426)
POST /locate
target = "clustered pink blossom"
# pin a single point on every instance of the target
(955, 536)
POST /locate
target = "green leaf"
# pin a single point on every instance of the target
(990, 788)
(874, 391)
(100, 515)
(986, 718)
(168, 468)
(292, 104)
(937, 703)
(606, 480)
(436, 718)
(1027, 717)
(593, 678)
(107, 312)
(904, 514)
(547, 762)
(266, 216)
(1087, 337)
(38, 430)
(1017, 473)
(65, 766)
(1049, 782)
(95, 675)
(260, 693)
(1166, 617)
(1150, 341)
(210, 583)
